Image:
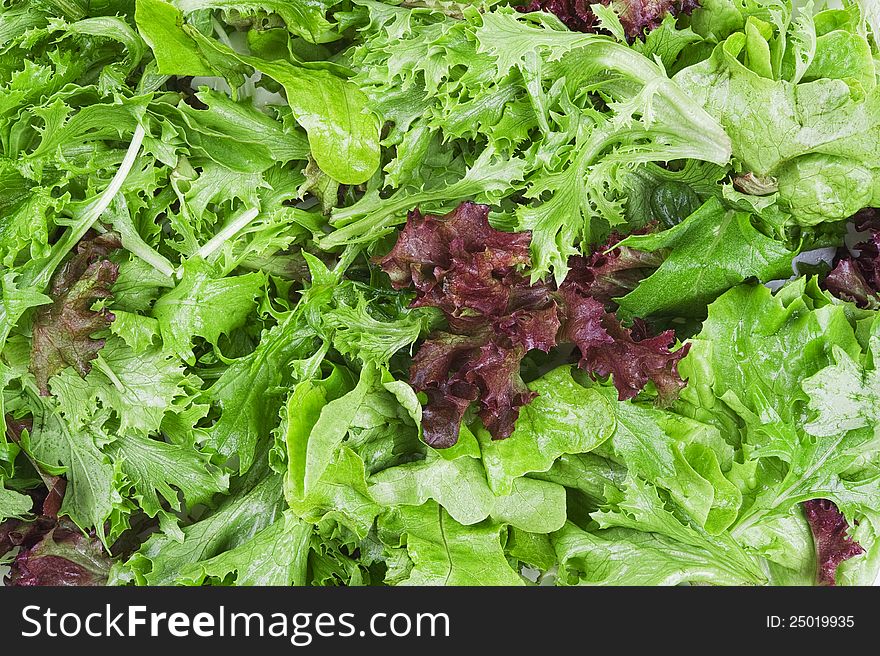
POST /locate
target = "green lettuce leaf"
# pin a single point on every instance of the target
(339, 503)
(92, 492)
(817, 138)
(565, 418)
(443, 552)
(678, 454)
(161, 473)
(620, 556)
(641, 542)
(13, 504)
(138, 387)
(277, 555)
(709, 252)
(756, 348)
(254, 504)
(204, 305)
(844, 394)
(343, 134)
(460, 487)
(248, 391)
(305, 18)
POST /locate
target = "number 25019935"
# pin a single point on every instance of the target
(810, 622)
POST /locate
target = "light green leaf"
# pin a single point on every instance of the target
(299, 415)
(639, 508)
(204, 305)
(759, 347)
(139, 387)
(343, 133)
(91, 487)
(15, 302)
(155, 468)
(254, 504)
(709, 252)
(248, 391)
(277, 555)
(460, 487)
(332, 425)
(650, 447)
(160, 25)
(443, 552)
(302, 17)
(844, 395)
(373, 216)
(138, 331)
(626, 557)
(773, 124)
(13, 504)
(533, 549)
(356, 333)
(564, 418)
(339, 503)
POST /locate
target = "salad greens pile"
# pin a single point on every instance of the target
(355, 292)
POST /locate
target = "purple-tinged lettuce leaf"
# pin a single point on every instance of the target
(54, 496)
(867, 218)
(530, 328)
(495, 373)
(869, 259)
(441, 418)
(457, 262)
(60, 556)
(856, 278)
(636, 16)
(62, 331)
(426, 245)
(847, 282)
(612, 271)
(455, 370)
(628, 355)
(18, 532)
(468, 270)
(833, 545)
(52, 550)
(583, 321)
(442, 353)
(461, 265)
(576, 14)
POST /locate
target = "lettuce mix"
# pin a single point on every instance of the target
(456, 293)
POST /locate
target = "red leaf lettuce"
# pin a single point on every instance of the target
(461, 265)
(62, 330)
(636, 16)
(833, 545)
(856, 278)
